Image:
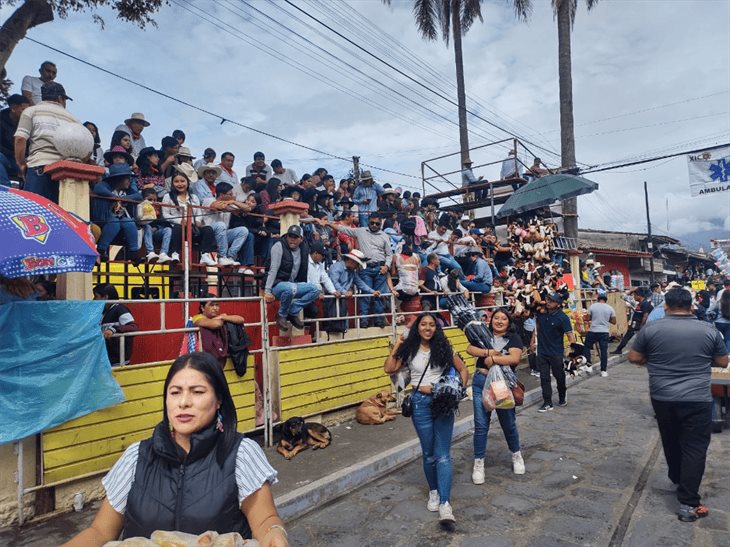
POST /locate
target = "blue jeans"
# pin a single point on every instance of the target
(40, 184)
(449, 263)
(602, 339)
(229, 240)
(246, 254)
(7, 167)
(376, 281)
(161, 235)
(293, 297)
(507, 419)
(111, 229)
(476, 286)
(435, 437)
(724, 329)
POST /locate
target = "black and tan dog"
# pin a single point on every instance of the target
(296, 435)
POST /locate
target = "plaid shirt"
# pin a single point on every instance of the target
(657, 299)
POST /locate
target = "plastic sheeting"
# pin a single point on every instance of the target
(53, 366)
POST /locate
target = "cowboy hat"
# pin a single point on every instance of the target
(137, 117)
(118, 170)
(356, 256)
(187, 170)
(389, 191)
(118, 151)
(184, 151)
(209, 167)
(366, 175)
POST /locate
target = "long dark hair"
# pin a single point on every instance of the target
(207, 365)
(510, 326)
(272, 188)
(442, 354)
(173, 191)
(117, 137)
(725, 303)
(97, 138)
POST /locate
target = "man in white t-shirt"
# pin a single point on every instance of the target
(31, 86)
(284, 174)
(602, 315)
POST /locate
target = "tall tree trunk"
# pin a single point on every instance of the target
(567, 134)
(32, 13)
(460, 87)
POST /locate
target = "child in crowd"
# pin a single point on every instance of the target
(155, 229)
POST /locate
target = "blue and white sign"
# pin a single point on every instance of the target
(709, 171)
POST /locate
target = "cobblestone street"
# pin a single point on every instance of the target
(595, 476)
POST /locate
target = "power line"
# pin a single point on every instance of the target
(421, 84)
(658, 124)
(222, 118)
(655, 159)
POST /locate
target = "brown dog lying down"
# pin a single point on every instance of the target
(296, 435)
(373, 410)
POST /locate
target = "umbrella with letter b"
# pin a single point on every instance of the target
(546, 191)
(39, 237)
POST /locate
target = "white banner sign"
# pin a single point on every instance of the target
(709, 171)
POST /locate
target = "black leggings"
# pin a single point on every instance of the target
(205, 239)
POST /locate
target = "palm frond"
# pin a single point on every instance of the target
(444, 15)
(469, 12)
(573, 7)
(523, 9)
(426, 14)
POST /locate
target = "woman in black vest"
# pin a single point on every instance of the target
(196, 472)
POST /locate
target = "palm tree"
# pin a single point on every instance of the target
(454, 18)
(564, 11)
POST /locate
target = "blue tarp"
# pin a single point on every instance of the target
(53, 366)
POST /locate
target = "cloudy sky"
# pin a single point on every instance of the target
(649, 77)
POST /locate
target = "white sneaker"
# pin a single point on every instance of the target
(235, 262)
(225, 261)
(477, 475)
(162, 258)
(446, 515)
(175, 258)
(206, 259)
(518, 464)
(604, 374)
(433, 500)
(245, 271)
(152, 256)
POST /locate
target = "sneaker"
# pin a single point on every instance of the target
(152, 256)
(518, 464)
(688, 513)
(225, 261)
(604, 374)
(162, 258)
(477, 475)
(174, 258)
(296, 322)
(616, 352)
(535, 373)
(282, 322)
(245, 271)
(446, 515)
(236, 263)
(564, 402)
(206, 259)
(545, 407)
(433, 501)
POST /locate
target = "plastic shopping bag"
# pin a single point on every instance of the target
(499, 392)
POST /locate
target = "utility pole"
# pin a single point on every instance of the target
(650, 243)
(356, 168)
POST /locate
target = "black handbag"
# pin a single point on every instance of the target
(406, 407)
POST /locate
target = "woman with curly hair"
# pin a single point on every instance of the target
(428, 354)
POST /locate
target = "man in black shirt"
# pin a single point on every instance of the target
(638, 319)
(9, 118)
(115, 319)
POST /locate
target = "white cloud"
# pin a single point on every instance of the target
(624, 60)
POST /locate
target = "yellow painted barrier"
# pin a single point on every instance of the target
(94, 442)
(113, 273)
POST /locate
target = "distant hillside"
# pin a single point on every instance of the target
(702, 239)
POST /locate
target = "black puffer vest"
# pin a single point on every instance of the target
(287, 263)
(184, 492)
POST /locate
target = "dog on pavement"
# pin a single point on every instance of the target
(374, 411)
(297, 435)
(576, 363)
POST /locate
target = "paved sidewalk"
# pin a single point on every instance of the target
(606, 438)
(586, 468)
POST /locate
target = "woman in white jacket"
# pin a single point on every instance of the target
(173, 210)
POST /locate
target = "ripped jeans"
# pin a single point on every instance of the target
(435, 437)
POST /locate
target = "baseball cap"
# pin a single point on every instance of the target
(17, 99)
(556, 297)
(295, 231)
(53, 90)
(726, 281)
